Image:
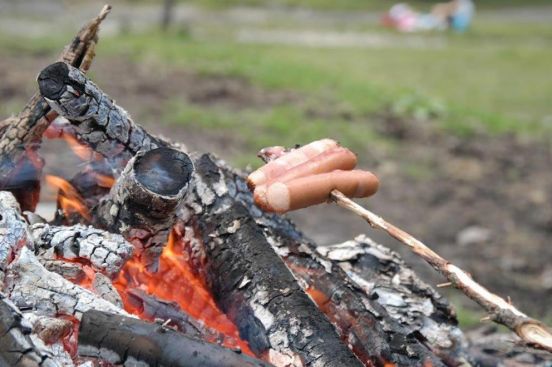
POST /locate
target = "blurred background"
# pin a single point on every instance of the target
(456, 121)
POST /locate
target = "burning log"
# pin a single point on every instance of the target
(16, 346)
(384, 277)
(171, 314)
(20, 166)
(123, 340)
(253, 286)
(30, 285)
(143, 203)
(373, 334)
(104, 251)
(99, 122)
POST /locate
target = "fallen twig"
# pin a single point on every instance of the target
(531, 331)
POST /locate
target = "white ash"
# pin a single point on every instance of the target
(29, 285)
(107, 252)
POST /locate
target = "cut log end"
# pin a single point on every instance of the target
(53, 79)
(164, 171)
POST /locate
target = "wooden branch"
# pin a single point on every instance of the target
(16, 346)
(171, 314)
(122, 340)
(531, 331)
(106, 252)
(99, 122)
(24, 132)
(142, 205)
(250, 282)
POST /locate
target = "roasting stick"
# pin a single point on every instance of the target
(531, 331)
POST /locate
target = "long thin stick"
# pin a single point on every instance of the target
(531, 331)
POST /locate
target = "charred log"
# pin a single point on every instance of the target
(170, 313)
(99, 122)
(16, 346)
(29, 285)
(122, 340)
(385, 278)
(20, 166)
(375, 336)
(254, 287)
(143, 203)
(106, 252)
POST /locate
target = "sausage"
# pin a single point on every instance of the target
(306, 191)
(289, 160)
(330, 160)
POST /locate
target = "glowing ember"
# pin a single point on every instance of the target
(176, 281)
(69, 199)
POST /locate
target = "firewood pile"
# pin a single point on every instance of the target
(158, 256)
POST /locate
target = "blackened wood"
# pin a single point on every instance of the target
(16, 346)
(106, 252)
(384, 277)
(170, 312)
(23, 134)
(143, 202)
(253, 286)
(375, 335)
(99, 122)
(123, 340)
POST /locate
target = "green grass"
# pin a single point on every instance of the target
(495, 78)
(372, 5)
(495, 86)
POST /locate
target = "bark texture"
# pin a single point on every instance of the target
(122, 340)
(385, 278)
(252, 285)
(374, 335)
(105, 252)
(143, 203)
(99, 122)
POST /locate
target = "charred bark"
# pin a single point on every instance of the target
(170, 313)
(374, 335)
(105, 252)
(143, 203)
(385, 278)
(252, 285)
(20, 166)
(123, 340)
(99, 122)
(16, 346)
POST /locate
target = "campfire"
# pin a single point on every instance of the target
(158, 256)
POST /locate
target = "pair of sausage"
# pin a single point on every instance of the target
(306, 176)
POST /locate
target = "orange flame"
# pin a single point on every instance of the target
(104, 180)
(176, 281)
(82, 151)
(69, 199)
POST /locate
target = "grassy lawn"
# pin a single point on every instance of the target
(493, 78)
(375, 5)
